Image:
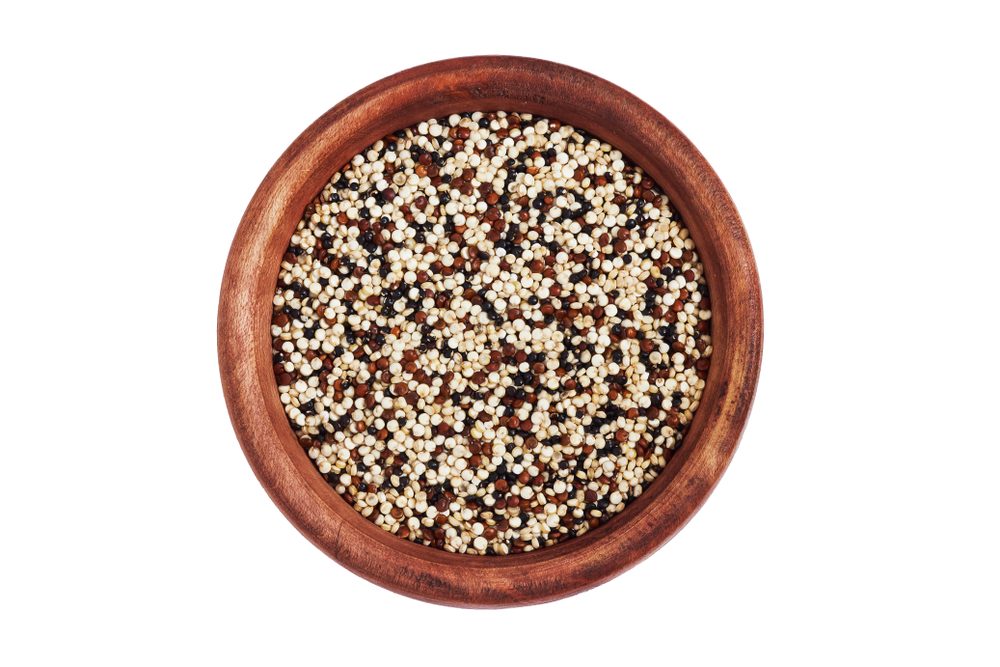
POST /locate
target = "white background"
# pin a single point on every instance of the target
(858, 521)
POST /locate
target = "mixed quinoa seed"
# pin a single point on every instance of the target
(490, 332)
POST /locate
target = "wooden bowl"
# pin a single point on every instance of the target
(435, 90)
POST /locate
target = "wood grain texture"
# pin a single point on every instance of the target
(488, 83)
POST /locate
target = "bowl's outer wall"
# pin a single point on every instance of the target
(488, 83)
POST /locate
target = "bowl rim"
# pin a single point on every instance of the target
(487, 83)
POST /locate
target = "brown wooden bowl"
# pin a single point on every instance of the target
(435, 90)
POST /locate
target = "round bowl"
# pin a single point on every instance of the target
(435, 90)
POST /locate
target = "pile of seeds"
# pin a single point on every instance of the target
(490, 332)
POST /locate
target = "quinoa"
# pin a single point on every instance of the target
(490, 332)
